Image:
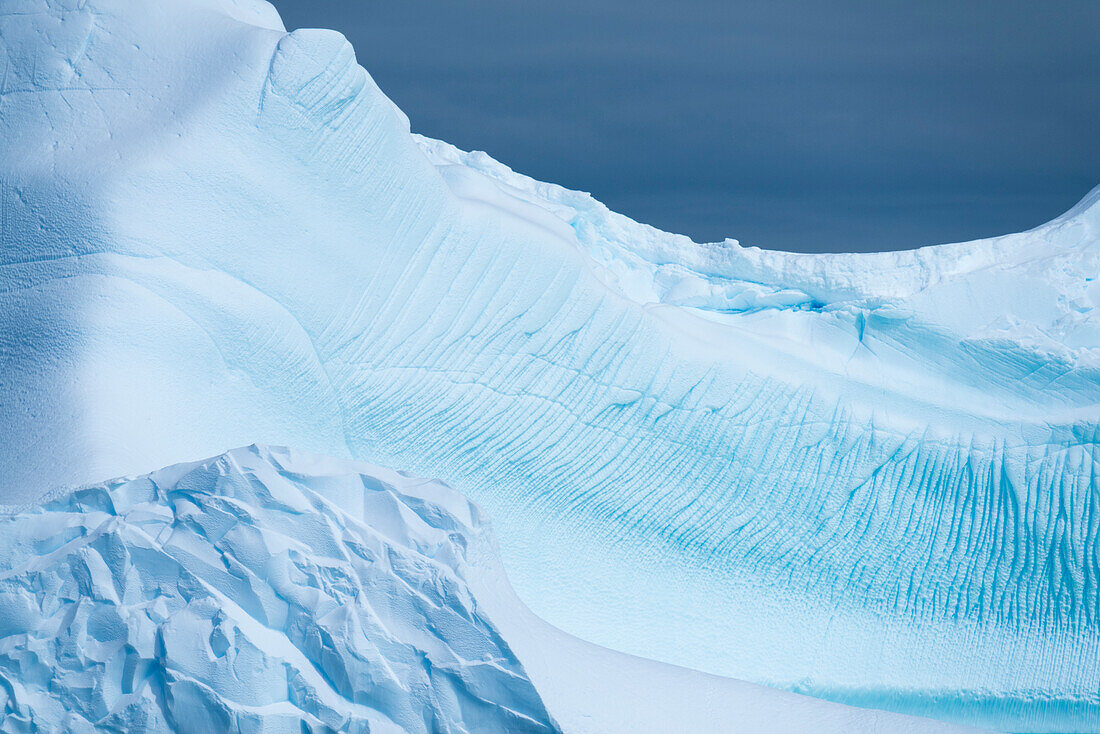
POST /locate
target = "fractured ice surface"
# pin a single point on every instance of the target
(258, 591)
(867, 477)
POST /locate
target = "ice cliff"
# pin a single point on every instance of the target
(867, 477)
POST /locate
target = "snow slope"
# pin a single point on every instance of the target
(867, 477)
(270, 590)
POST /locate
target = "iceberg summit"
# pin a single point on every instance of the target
(872, 479)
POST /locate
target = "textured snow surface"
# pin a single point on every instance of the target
(258, 591)
(868, 477)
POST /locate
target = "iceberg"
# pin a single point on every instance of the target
(870, 478)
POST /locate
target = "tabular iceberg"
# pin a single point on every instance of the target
(867, 477)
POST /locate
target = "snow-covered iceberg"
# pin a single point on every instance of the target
(267, 590)
(867, 477)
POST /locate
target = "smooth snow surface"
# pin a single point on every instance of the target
(270, 590)
(867, 477)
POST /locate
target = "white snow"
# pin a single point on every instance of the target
(867, 477)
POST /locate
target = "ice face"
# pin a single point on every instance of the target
(867, 477)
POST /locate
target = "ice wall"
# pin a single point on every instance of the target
(871, 478)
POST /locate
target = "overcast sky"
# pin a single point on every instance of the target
(810, 125)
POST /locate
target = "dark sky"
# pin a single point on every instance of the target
(810, 125)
